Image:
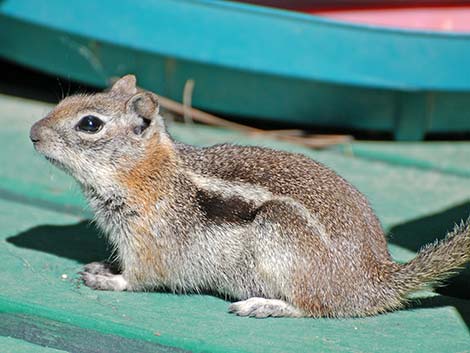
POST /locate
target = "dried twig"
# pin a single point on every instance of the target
(204, 117)
(317, 141)
(290, 135)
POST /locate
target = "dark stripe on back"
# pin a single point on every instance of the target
(219, 209)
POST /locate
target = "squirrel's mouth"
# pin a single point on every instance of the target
(55, 162)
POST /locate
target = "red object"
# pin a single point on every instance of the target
(430, 15)
(435, 18)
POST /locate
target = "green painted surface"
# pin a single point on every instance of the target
(446, 157)
(44, 235)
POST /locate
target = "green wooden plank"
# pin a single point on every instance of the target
(40, 243)
(52, 333)
(14, 345)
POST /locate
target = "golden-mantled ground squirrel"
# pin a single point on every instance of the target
(276, 230)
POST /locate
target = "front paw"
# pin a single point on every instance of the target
(101, 276)
(100, 268)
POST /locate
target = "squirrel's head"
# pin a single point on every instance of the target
(95, 137)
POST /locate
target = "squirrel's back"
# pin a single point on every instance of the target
(339, 206)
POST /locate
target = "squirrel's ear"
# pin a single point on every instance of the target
(145, 106)
(125, 85)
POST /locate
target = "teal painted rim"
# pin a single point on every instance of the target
(264, 41)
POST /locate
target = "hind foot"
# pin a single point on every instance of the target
(262, 307)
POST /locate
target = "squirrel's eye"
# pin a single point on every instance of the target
(90, 124)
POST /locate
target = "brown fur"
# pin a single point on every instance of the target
(144, 180)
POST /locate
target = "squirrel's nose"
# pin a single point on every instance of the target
(34, 133)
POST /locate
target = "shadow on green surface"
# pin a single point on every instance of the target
(414, 234)
(79, 242)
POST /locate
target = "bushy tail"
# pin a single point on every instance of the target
(434, 262)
